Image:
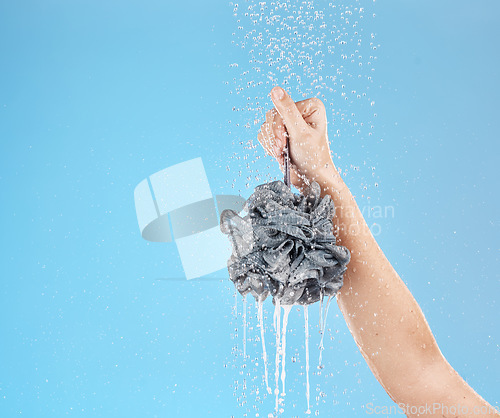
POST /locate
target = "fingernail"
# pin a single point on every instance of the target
(278, 93)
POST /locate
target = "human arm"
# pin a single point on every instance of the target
(382, 315)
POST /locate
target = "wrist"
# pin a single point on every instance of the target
(329, 179)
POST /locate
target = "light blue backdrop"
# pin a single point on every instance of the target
(97, 95)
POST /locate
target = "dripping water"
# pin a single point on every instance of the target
(321, 296)
(306, 320)
(244, 327)
(277, 320)
(286, 310)
(323, 329)
(264, 353)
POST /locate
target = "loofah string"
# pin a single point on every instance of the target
(287, 163)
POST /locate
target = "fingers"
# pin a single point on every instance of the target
(306, 114)
(304, 123)
(268, 140)
(313, 112)
(278, 128)
(272, 137)
(272, 134)
(292, 117)
(260, 137)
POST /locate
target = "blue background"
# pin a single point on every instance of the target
(96, 96)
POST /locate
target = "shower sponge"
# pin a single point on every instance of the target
(284, 246)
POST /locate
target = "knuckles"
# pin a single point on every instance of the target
(270, 115)
(264, 128)
(317, 103)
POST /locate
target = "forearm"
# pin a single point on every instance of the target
(384, 318)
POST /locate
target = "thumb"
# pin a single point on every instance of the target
(288, 111)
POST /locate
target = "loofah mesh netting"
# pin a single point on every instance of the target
(284, 246)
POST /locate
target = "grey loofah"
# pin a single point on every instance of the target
(285, 245)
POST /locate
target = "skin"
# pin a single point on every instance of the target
(381, 313)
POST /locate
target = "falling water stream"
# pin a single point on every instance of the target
(286, 310)
(264, 353)
(244, 327)
(281, 331)
(323, 329)
(277, 329)
(306, 320)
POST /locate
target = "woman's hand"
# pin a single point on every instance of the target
(305, 125)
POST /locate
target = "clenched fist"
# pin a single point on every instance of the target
(304, 123)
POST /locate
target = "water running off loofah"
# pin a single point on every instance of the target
(285, 247)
